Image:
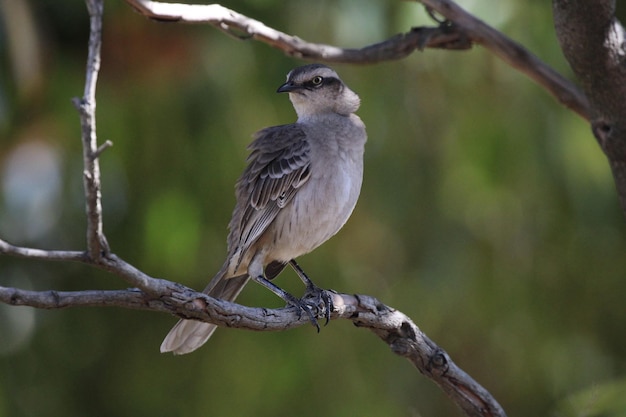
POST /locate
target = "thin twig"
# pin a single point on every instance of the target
(106, 145)
(96, 242)
(52, 255)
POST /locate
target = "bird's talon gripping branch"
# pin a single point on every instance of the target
(301, 305)
(309, 310)
(320, 300)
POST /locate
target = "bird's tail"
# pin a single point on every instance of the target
(188, 335)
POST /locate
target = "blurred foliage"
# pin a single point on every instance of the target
(599, 400)
(488, 214)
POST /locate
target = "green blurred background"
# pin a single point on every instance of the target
(488, 215)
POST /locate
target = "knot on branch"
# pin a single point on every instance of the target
(80, 104)
(403, 341)
(184, 300)
(438, 362)
(602, 130)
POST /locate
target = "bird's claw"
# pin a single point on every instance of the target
(320, 301)
(316, 303)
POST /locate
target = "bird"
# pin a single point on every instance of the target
(300, 186)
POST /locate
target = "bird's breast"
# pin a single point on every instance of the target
(322, 205)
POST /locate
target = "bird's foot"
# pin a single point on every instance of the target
(314, 297)
(304, 305)
(319, 300)
(315, 302)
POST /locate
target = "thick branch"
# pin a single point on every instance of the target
(593, 42)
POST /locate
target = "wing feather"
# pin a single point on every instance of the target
(278, 165)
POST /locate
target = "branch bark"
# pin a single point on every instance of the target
(86, 106)
(593, 41)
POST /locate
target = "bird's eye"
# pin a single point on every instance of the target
(317, 80)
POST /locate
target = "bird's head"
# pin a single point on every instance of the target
(317, 89)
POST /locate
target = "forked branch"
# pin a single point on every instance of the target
(393, 327)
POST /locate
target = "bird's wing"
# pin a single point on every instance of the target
(277, 166)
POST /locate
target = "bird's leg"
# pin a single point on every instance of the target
(288, 298)
(313, 291)
(307, 281)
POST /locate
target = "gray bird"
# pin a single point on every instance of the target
(299, 188)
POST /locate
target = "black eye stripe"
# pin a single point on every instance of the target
(325, 81)
(310, 84)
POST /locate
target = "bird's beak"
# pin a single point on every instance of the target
(288, 87)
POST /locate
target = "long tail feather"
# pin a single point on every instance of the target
(188, 335)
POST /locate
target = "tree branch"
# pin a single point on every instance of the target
(96, 241)
(51, 300)
(243, 27)
(393, 327)
(592, 40)
(513, 54)
(53, 255)
(462, 30)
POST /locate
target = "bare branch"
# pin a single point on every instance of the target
(106, 145)
(513, 54)
(56, 255)
(243, 27)
(49, 300)
(391, 326)
(407, 340)
(459, 34)
(96, 241)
